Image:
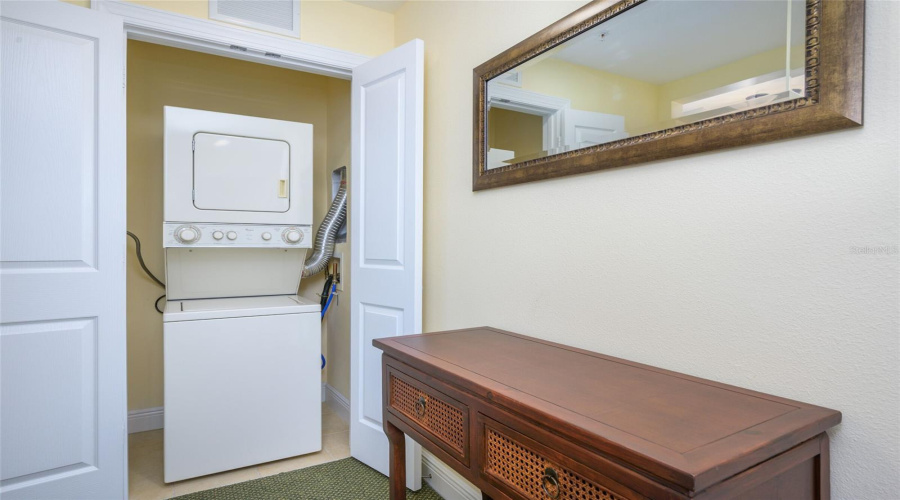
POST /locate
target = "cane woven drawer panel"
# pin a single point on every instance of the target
(438, 418)
(526, 471)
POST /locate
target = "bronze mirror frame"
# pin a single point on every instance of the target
(833, 98)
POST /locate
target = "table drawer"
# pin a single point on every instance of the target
(523, 469)
(434, 414)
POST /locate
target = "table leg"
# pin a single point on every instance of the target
(823, 462)
(398, 461)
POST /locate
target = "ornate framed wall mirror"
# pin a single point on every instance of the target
(617, 83)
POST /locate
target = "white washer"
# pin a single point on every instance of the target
(242, 383)
(242, 351)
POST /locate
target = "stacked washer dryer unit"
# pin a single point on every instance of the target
(242, 365)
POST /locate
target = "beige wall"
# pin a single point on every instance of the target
(734, 265)
(598, 91)
(160, 76)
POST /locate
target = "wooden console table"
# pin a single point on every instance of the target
(522, 418)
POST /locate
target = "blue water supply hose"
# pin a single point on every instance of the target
(325, 309)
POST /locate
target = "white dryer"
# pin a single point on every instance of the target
(236, 169)
(241, 349)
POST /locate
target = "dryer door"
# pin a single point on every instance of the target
(241, 173)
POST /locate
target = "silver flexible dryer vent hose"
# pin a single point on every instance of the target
(324, 245)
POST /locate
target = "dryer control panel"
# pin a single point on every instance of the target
(187, 234)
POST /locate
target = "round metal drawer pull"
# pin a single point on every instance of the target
(420, 406)
(550, 483)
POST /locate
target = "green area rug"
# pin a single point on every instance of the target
(347, 479)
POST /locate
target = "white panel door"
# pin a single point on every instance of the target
(62, 253)
(386, 236)
(588, 128)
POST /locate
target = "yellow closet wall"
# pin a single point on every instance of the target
(337, 320)
(521, 133)
(160, 76)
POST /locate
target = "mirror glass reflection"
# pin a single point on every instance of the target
(661, 64)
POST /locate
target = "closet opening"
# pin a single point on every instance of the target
(160, 76)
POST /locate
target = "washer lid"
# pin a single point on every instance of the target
(237, 307)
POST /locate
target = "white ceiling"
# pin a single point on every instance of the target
(664, 40)
(382, 5)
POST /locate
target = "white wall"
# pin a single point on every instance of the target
(735, 266)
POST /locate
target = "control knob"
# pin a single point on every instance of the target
(187, 234)
(267, 236)
(292, 235)
(231, 235)
(218, 235)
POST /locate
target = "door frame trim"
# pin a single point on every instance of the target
(148, 24)
(551, 109)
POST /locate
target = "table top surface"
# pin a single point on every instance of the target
(686, 429)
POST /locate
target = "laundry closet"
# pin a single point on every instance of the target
(170, 88)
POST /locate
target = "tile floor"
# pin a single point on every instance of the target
(145, 462)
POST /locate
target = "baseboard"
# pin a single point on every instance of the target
(148, 419)
(445, 481)
(337, 402)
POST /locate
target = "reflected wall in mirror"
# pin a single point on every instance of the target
(619, 75)
(666, 63)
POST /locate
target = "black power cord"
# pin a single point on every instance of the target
(156, 303)
(326, 291)
(140, 257)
